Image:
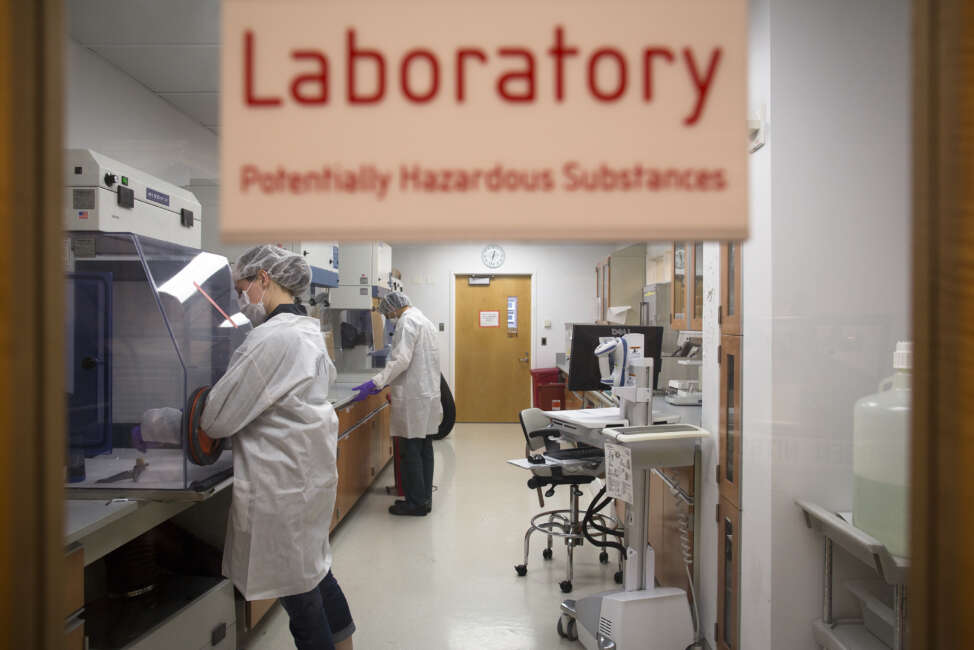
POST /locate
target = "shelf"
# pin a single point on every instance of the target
(865, 548)
(846, 636)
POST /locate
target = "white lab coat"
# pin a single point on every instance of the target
(413, 371)
(274, 399)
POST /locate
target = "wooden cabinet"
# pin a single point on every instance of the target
(729, 315)
(696, 287)
(731, 432)
(364, 449)
(680, 294)
(728, 576)
(573, 401)
(74, 597)
(686, 296)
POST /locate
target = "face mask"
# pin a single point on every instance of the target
(255, 312)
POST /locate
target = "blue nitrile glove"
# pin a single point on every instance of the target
(364, 390)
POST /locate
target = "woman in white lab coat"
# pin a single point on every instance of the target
(413, 371)
(274, 400)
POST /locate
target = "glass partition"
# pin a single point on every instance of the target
(148, 322)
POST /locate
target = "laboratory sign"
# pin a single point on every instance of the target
(446, 119)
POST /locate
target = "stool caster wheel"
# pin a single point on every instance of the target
(567, 628)
(566, 587)
(546, 554)
(604, 557)
(522, 570)
(618, 577)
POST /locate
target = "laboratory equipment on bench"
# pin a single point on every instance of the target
(684, 391)
(132, 474)
(881, 451)
(364, 275)
(640, 616)
(149, 320)
(584, 370)
(629, 375)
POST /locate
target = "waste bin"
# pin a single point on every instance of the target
(549, 394)
(539, 378)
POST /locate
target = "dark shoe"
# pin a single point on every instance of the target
(429, 507)
(406, 509)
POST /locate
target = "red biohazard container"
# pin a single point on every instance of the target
(552, 396)
(541, 377)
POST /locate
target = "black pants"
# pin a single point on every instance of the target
(320, 618)
(416, 463)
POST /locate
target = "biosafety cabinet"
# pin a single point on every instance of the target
(148, 323)
(150, 319)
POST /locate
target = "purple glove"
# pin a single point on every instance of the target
(366, 389)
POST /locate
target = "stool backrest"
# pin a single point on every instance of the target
(533, 419)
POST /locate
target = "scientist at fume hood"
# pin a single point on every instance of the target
(413, 372)
(274, 400)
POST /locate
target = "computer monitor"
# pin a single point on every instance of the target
(583, 367)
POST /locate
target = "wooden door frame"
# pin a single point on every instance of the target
(942, 520)
(32, 595)
(453, 314)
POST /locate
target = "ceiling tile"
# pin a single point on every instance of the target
(178, 68)
(202, 107)
(144, 22)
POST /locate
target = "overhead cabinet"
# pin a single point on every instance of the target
(686, 298)
(730, 288)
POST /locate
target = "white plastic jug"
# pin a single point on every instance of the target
(881, 438)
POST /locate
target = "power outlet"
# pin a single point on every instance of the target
(544, 340)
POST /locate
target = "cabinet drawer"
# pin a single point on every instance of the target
(74, 570)
(209, 618)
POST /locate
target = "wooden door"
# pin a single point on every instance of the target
(493, 355)
(729, 316)
(728, 576)
(729, 467)
(942, 520)
(32, 572)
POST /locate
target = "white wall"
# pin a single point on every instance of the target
(826, 280)
(564, 277)
(112, 113)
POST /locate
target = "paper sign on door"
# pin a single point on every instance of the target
(490, 319)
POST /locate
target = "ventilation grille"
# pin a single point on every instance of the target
(605, 627)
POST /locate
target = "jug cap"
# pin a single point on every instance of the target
(903, 356)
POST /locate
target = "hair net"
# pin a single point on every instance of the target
(393, 302)
(288, 269)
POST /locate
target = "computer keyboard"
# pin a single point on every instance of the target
(576, 452)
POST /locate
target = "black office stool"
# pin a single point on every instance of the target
(564, 523)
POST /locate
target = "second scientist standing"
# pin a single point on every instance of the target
(413, 372)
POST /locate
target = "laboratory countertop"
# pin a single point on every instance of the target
(85, 517)
(690, 414)
(82, 518)
(341, 393)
